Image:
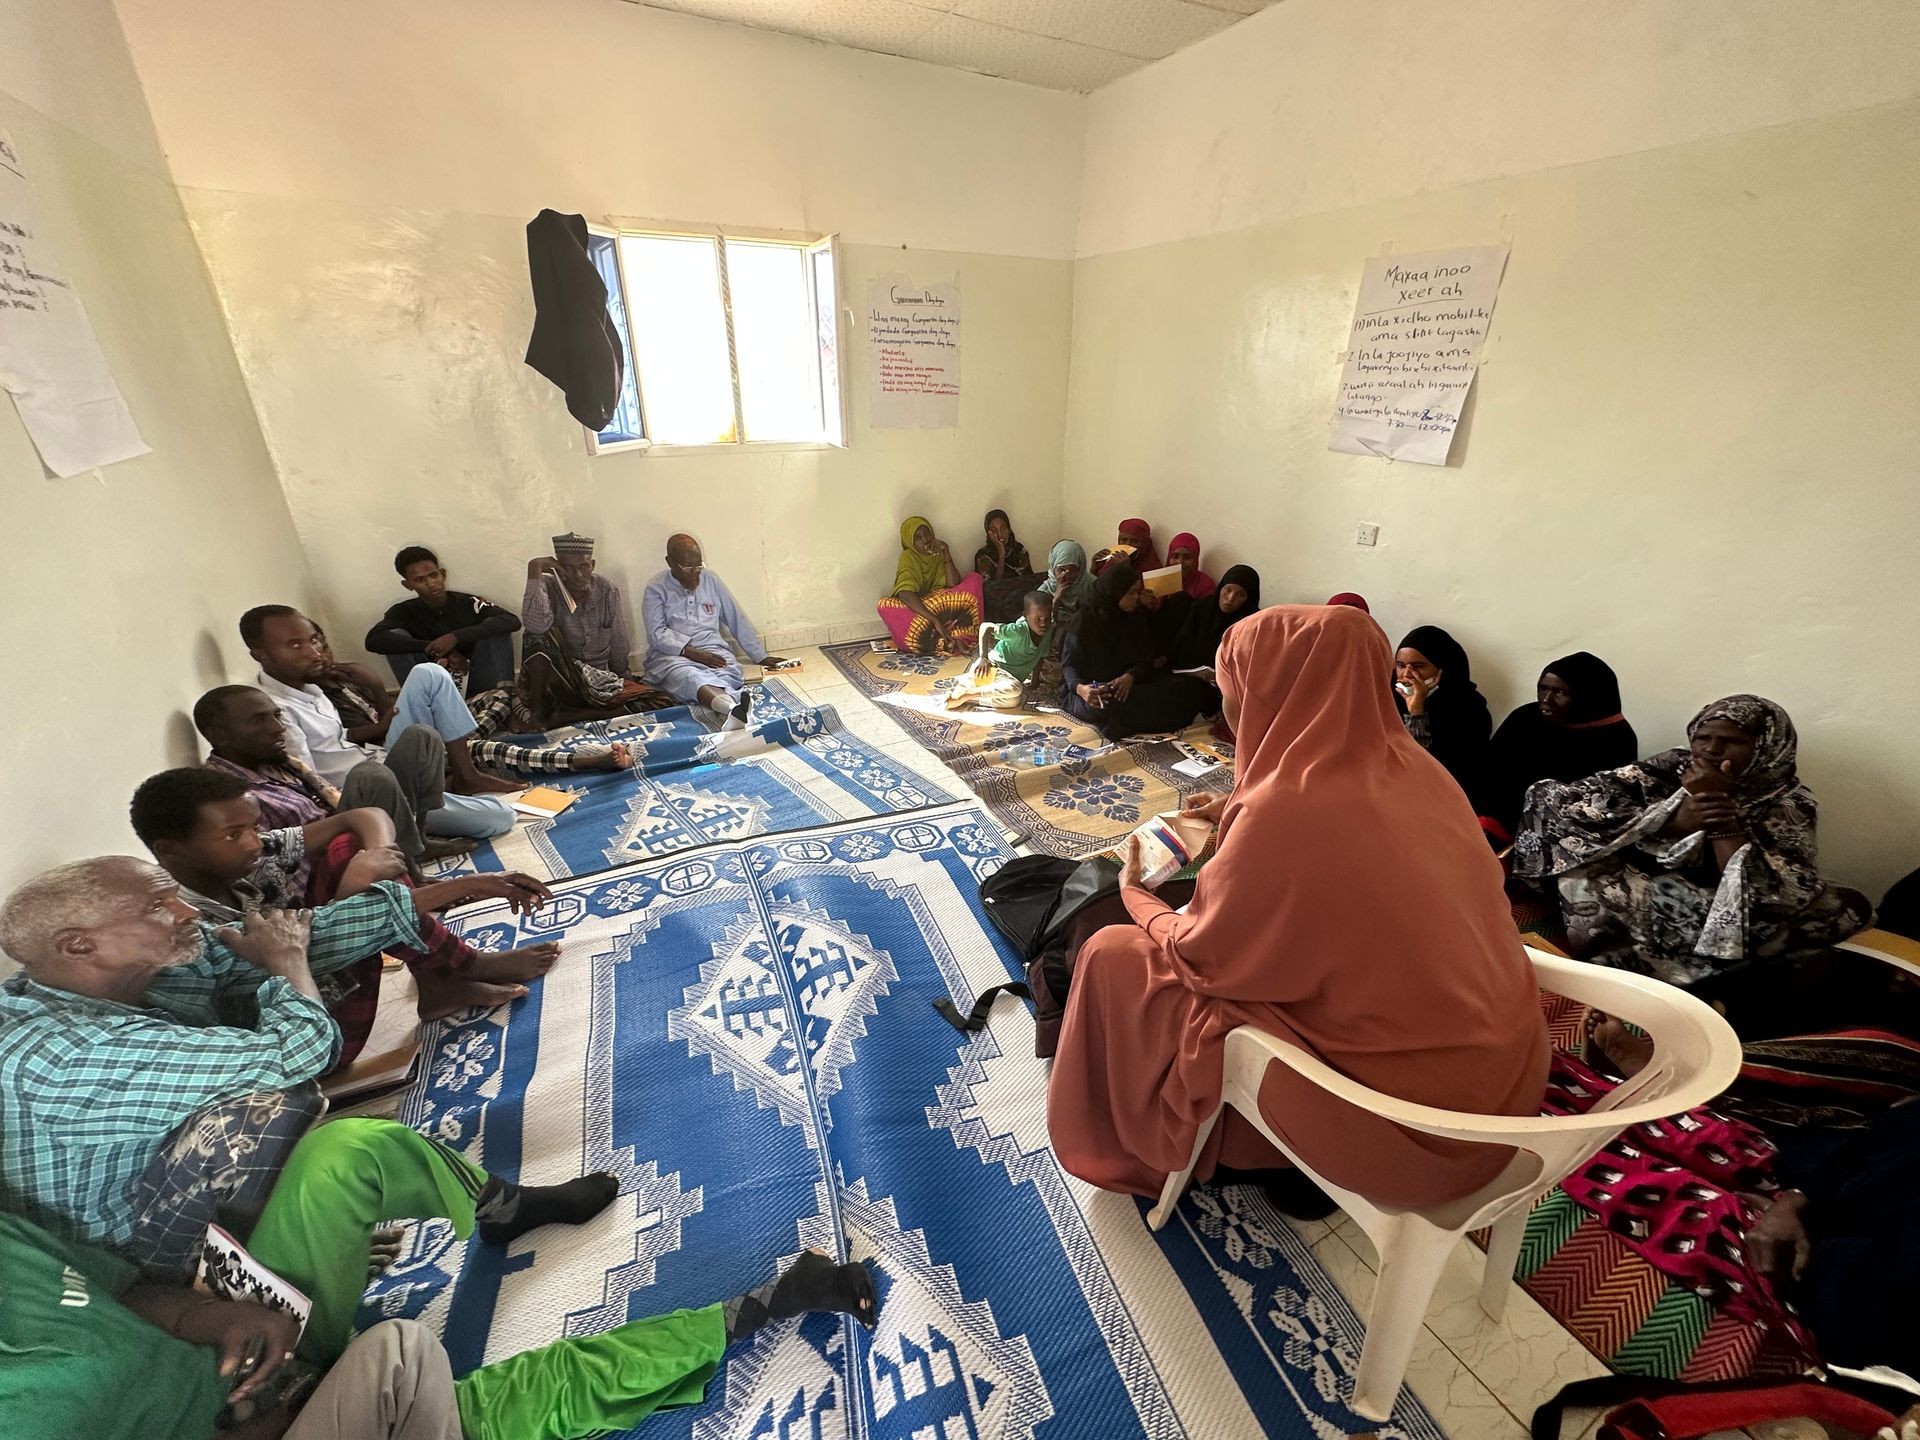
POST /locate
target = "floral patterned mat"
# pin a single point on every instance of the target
(1042, 773)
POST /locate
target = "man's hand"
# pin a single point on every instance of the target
(272, 940)
(704, 657)
(456, 664)
(1209, 807)
(1778, 1243)
(768, 662)
(442, 645)
(370, 867)
(544, 565)
(521, 891)
(1133, 869)
(236, 1330)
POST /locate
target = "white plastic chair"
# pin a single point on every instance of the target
(1695, 1057)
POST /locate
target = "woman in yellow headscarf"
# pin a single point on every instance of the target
(931, 610)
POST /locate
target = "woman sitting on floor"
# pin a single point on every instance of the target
(1184, 550)
(1352, 908)
(1197, 646)
(931, 610)
(1070, 584)
(1442, 708)
(1005, 570)
(1135, 536)
(1696, 865)
(1573, 730)
(1108, 674)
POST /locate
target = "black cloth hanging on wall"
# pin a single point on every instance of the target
(574, 343)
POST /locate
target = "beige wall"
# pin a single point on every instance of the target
(1691, 447)
(362, 214)
(122, 586)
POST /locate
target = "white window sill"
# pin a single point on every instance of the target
(647, 447)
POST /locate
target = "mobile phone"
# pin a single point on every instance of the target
(256, 1353)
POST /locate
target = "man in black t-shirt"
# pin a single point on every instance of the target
(463, 632)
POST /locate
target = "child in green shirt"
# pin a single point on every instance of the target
(1021, 643)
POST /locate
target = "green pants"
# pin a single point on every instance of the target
(316, 1231)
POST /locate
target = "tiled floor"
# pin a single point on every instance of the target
(1480, 1378)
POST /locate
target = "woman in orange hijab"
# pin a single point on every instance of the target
(1353, 908)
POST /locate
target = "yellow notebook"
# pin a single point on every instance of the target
(1165, 581)
(543, 802)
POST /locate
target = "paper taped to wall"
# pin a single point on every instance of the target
(913, 331)
(1417, 331)
(49, 358)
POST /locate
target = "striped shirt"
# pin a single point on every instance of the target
(90, 1089)
(595, 633)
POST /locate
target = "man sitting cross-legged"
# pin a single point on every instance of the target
(689, 613)
(444, 625)
(203, 827)
(83, 1339)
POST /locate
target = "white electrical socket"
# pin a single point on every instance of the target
(1367, 535)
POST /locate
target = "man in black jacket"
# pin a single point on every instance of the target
(466, 633)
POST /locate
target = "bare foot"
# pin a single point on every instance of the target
(444, 995)
(603, 757)
(529, 962)
(1628, 1052)
(385, 1250)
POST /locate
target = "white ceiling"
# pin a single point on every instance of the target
(1061, 44)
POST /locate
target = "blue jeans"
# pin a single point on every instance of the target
(431, 698)
(491, 662)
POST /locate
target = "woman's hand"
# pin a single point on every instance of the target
(1133, 869)
(1712, 813)
(1209, 807)
(1415, 694)
(1122, 687)
(1092, 694)
(1704, 779)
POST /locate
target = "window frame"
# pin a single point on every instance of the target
(836, 419)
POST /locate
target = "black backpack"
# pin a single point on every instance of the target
(1033, 901)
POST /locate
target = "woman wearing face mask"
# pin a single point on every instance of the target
(1442, 708)
(1695, 863)
(1573, 729)
(1108, 677)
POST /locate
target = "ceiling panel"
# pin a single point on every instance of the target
(1062, 44)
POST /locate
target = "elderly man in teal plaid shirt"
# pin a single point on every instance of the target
(131, 1018)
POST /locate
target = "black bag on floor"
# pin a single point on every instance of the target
(1032, 900)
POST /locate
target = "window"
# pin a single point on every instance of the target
(728, 339)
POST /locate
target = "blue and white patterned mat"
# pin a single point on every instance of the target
(745, 1035)
(805, 770)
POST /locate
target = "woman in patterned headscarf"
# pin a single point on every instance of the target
(1695, 863)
